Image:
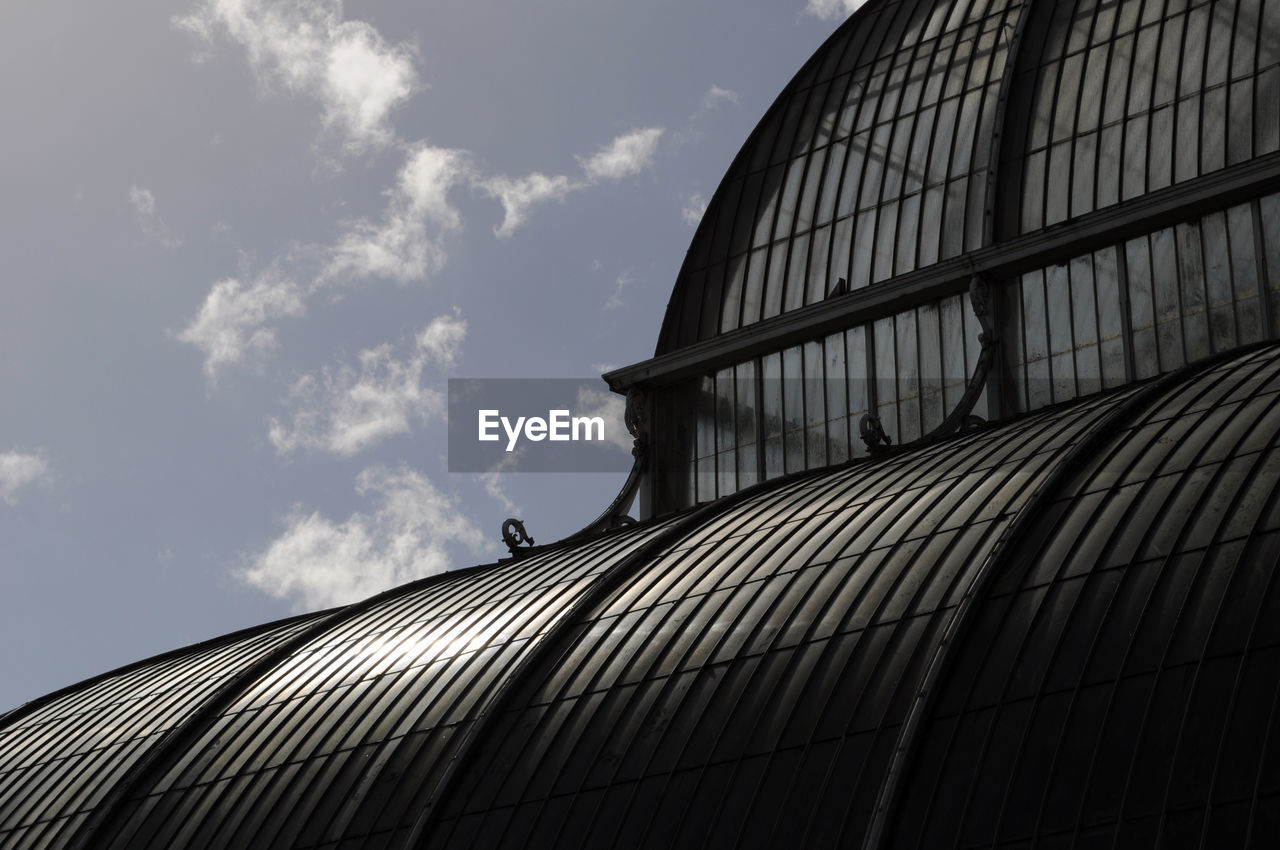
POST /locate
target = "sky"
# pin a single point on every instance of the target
(247, 242)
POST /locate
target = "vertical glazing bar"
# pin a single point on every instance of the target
(1126, 314)
(1264, 273)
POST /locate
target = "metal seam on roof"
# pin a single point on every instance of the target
(562, 632)
(1011, 538)
(165, 751)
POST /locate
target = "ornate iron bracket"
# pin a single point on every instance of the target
(961, 418)
(871, 429)
(516, 537)
(636, 419)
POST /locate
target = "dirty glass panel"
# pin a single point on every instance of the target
(835, 385)
(726, 431)
(771, 392)
(815, 415)
(908, 374)
(1218, 290)
(929, 340)
(886, 381)
(1062, 366)
(793, 408)
(746, 412)
(1084, 326)
(1111, 344)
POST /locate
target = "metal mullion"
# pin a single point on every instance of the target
(805, 177)
(577, 705)
(466, 674)
(245, 743)
(1071, 329)
(1263, 273)
(1205, 288)
(787, 161)
(1095, 40)
(944, 69)
(566, 556)
(710, 561)
(750, 249)
(1125, 116)
(991, 448)
(842, 184)
(1226, 95)
(757, 379)
(1164, 25)
(830, 97)
(1228, 85)
(856, 109)
(1052, 69)
(927, 643)
(1126, 312)
(873, 102)
(1264, 744)
(1048, 337)
(1058, 438)
(1097, 514)
(1120, 817)
(1216, 540)
(832, 527)
(808, 638)
(1090, 41)
(1110, 544)
(81, 758)
(897, 123)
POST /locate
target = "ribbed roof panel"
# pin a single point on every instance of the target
(346, 738)
(748, 687)
(59, 760)
(1120, 684)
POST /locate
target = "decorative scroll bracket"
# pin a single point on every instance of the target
(961, 418)
(516, 537)
(871, 429)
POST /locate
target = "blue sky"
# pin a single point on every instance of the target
(247, 243)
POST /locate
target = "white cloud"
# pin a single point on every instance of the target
(19, 470)
(518, 195)
(620, 283)
(716, 96)
(830, 10)
(152, 226)
(353, 407)
(408, 243)
(305, 47)
(492, 480)
(695, 207)
(237, 319)
(612, 408)
(319, 563)
(624, 156)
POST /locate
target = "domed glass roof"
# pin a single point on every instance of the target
(923, 130)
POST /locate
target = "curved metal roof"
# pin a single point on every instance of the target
(927, 129)
(1057, 630)
(1062, 625)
